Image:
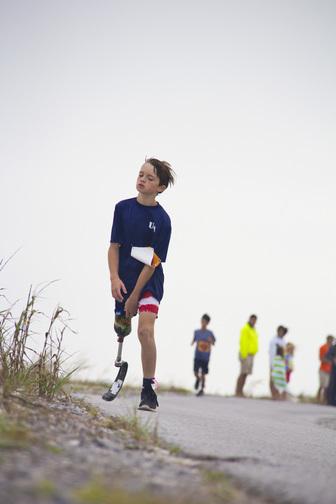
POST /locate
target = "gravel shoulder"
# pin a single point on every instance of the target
(72, 452)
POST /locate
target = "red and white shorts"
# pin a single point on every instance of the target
(148, 303)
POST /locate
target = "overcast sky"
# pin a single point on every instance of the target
(240, 97)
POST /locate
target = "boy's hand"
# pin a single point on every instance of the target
(118, 289)
(131, 306)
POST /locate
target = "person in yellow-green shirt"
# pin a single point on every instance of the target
(247, 350)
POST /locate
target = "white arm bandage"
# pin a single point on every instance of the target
(146, 255)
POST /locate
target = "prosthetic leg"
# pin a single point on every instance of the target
(123, 327)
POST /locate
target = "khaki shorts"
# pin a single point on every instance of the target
(324, 379)
(246, 365)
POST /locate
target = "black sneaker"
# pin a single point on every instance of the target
(148, 400)
(200, 393)
(197, 383)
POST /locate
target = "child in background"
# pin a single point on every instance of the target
(279, 373)
(289, 358)
(204, 339)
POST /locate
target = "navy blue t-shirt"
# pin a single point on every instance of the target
(137, 225)
(204, 340)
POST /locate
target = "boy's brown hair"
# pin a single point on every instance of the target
(163, 170)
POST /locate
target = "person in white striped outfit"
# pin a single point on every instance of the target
(279, 374)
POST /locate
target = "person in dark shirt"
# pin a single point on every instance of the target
(331, 391)
(324, 370)
(139, 243)
(204, 340)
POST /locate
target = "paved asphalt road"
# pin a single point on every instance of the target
(285, 450)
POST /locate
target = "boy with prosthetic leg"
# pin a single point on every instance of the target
(139, 243)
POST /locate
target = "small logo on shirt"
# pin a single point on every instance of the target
(152, 226)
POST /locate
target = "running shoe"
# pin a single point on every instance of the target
(148, 400)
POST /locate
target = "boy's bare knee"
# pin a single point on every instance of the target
(145, 334)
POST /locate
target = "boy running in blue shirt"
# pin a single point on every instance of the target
(139, 243)
(204, 340)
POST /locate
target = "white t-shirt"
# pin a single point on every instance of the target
(273, 346)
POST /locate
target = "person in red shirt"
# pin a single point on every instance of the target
(324, 371)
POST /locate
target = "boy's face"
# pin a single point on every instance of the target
(148, 183)
(204, 323)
